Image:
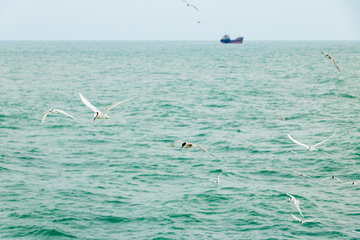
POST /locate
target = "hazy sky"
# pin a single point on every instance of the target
(168, 19)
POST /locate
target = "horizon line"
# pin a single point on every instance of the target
(108, 40)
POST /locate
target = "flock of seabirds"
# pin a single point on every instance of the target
(103, 115)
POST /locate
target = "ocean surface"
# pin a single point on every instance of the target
(119, 178)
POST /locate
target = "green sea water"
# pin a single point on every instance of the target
(120, 179)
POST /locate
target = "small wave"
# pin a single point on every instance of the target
(53, 233)
(113, 219)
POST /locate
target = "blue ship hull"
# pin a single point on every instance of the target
(228, 40)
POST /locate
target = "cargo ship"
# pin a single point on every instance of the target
(226, 39)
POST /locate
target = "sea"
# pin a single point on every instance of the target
(120, 178)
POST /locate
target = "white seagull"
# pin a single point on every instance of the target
(218, 181)
(332, 95)
(332, 177)
(310, 148)
(189, 145)
(296, 203)
(103, 114)
(55, 111)
(190, 5)
(303, 221)
(352, 183)
(199, 21)
(281, 118)
(330, 57)
(301, 174)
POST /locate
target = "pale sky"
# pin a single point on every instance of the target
(168, 19)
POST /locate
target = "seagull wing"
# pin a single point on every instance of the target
(291, 196)
(339, 180)
(219, 176)
(333, 60)
(325, 179)
(296, 217)
(107, 109)
(278, 115)
(205, 23)
(192, 18)
(298, 142)
(302, 174)
(194, 7)
(174, 143)
(185, 1)
(203, 150)
(324, 53)
(61, 111)
(296, 202)
(87, 103)
(44, 116)
(324, 140)
(312, 220)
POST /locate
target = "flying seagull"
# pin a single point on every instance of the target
(303, 221)
(199, 21)
(330, 57)
(190, 5)
(218, 181)
(332, 95)
(296, 203)
(352, 183)
(54, 111)
(103, 114)
(332, 177)
(189, 145)
(281, 118)
(301, 174)
(310, 148)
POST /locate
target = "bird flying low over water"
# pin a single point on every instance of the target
(189, 145)
(199, 21)
(281, 118)
(296, 203)
(332, 95)
(352, 183)
(54, 111)
(302, 174)
(310, 148)
(103, 114)
(332, 177)
(303, 221)
(218, 180)
(190, 5)
(330, 57)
